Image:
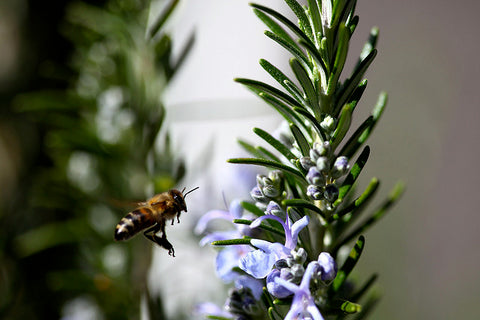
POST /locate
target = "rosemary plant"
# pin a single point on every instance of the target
(292, 249)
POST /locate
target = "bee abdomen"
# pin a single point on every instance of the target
(133, 223)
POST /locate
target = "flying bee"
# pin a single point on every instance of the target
(153, 214)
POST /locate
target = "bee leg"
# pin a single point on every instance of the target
(150, 234)
(164, 243)
(178, 216)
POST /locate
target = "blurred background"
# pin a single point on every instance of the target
(83, 89)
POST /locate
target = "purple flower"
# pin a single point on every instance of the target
(303, 305)
(227, 258)
(327, 267)
(258, 263)
(275, 288)
(234, 212)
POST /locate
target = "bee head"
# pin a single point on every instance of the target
(179, 197)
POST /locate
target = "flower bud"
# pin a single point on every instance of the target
(331, 193)
(257, 194)
(263, 181)
(315, 177)
(328, 267)
(281, 263)
(276, 176)
(315, 192)
(275, 209)
(271, 191)
(322, 164)
(297, 271)
(300, 256)
(328, 124)
(340, 167)
(306, 162)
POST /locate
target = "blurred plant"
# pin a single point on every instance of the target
(306, 212)
(103, 142)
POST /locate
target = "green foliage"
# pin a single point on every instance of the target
(103, 146)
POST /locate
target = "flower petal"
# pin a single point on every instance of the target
(314, 312)
(259, 220)
(236, 209)
(297, 227)
(210, 309)
(256, 286)
(210, 215)
(227, 259)
(288, 285)
(276, 289)
(257, 263)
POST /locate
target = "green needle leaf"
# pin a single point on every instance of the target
(354, 142)
(351, 83)
(340, 58)
(259, 87)
(316, 20)
(300, 203)
(285, 111)
(267, 154)
(282, 79)
(349, 264)
(283, 20)
(361, 201)
(252, 208)
(268, 163)
(369, 45)
(274, 27)
(301, 140)
(310, 47)
(312, 120)
(251, 149)
(363, 132)
(297, 53)
(307, 85)
(353, 175)
(231, 242)
(261, 226)
(343, 125)
(302, 17)
(275, 143)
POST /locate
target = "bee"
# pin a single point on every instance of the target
(153, 214)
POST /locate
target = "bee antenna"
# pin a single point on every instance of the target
(189, 191)
(184, 189)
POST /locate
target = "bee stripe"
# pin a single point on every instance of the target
(133, 223)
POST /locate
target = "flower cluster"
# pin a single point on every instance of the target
(269, 190)
(279, 267)
(322, 174)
